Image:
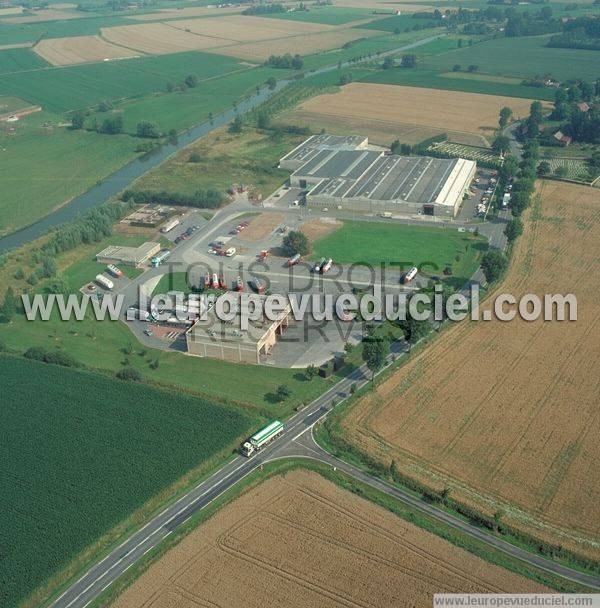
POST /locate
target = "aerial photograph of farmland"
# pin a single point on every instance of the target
(299, 303)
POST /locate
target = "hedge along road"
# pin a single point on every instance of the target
(120, 179)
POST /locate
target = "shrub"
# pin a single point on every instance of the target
(130, 374)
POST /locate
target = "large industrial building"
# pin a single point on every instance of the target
(344, 173)
(227, 340)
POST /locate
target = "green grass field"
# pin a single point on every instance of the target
(247, 158)
(31, 32)
(364, 47)
(182, 110)
(68, 88)
(17, 60)
(81, 452)
(396, 22)
(422, 77)
(327, 15)
(375, 242)
(521, 57)
(44, 167)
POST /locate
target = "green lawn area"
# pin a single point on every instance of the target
(247, 158)
(99, 344)
(432, 248)
(44, 167)
(81, 453)
(86, 268)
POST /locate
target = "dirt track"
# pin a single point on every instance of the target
(300, 541)
(508, 414)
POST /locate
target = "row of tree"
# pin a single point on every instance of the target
(210, 198)
(287, 61)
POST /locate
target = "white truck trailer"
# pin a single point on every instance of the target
(262, 438)
(169, 226)
(104, 281)
(410, 275)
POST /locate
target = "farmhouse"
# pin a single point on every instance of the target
(128, 256)
(345, 173)
(229, 341)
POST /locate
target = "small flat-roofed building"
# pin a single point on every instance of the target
(128, 256)
(372, 181)
(229, 341)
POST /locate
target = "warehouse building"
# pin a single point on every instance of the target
(128, 256)
(373, 181)
(226, 340)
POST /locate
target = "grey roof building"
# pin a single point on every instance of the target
(371, 180)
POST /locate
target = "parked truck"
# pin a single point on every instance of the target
(410, 275)
(104, 281)
(327, 266)
(262, 438)
(505, 199)
(116, 272)
(318, 265)
(169, 226)
(293, 260)
(258, 284)
(160, 257)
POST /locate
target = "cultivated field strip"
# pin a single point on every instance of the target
(426, 108)
(300, 541)
(240, 36)
(80, 49)
(506, 413)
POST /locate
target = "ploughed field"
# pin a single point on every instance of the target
(300, 541)
(80, 453)
(410, 114)
(507, 413)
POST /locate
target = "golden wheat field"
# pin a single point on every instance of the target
(80, 49)
(508, 414)
(300, 541)
(409, 113)
(252, 38)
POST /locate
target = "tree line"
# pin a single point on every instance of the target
(210, 198)
(287, 61)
